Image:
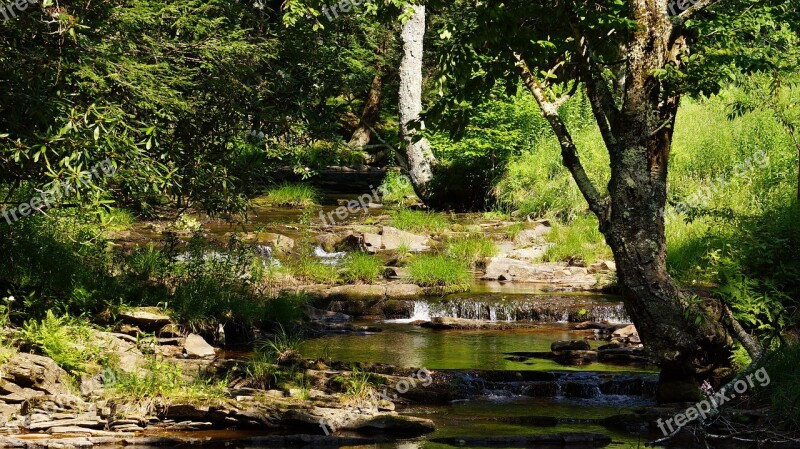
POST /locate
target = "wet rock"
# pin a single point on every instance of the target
(150, 318)
(570, 345)
(575, 358)
(196, 347)
(325, 316)
(627, 334)
(623, 355)
(277, 242)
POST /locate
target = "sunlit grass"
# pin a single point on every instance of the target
(580, 239)
(439, 271)
(471, 250)
(362, 267)
(419, 221)
(291, 195)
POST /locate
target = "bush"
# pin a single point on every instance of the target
(471, 250)
(70, 342)
(419, 221)
(362, 267)
(291, 195)
(439, 271)
(784, 388)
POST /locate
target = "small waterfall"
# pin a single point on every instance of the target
(328, 258)
(422, 312)
(533, 308)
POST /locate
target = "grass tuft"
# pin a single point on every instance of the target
(362, 267)
(471, 250)
(291, 195)
(419, 221)
(581, 239)
(439, 271)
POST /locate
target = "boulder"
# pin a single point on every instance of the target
(326, 316)
(392, 239)
(627, 334)
(196, 347)
(372, 242)
(34, 372)
(147, 317)
(527, 236)
(277, 242)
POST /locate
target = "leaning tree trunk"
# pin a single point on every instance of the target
(416, 159)
(363, 134)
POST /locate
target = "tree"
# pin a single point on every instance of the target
(634, 60)
(417, 159)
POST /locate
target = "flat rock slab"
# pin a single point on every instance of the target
(145, 316)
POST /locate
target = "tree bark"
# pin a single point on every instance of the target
(372, 107)
(417, 160)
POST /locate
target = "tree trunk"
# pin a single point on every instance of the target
(372, 107)
(417, 160)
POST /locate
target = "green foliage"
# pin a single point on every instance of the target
(286, 307)
(166, 381)
(261, 370)
(419, 221)
(291, 195)
(283, 347)
(784, 388)
(580, 239)
(70, 342)
(358, 385)
(471, 250)
(362, 267)
(308, 267)
(439, 271)
(397, 190)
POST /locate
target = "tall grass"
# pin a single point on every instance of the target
(579, 240)
(291, 195)
(419, 221)
(471, 250)
(362, 267)
(439, 271)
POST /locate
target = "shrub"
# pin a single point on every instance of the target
(419, 221)
(362, 267)
(291, 195)
(70, 342)
(439, 271)
(471, 250)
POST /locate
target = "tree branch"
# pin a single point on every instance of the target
(569, 152)
(697, 6)
(600, 96)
